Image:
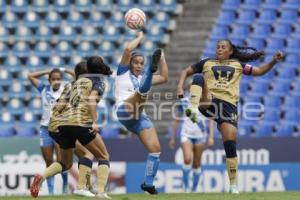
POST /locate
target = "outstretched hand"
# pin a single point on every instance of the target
(278, 56)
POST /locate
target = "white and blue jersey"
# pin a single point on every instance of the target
(126, 84)
(49, 97)
(189, 131)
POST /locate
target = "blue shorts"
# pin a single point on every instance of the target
(45, 139)
(193, 141)
(134, 125)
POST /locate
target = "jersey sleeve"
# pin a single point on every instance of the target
(40, 87)
(99, 86)
(247, 69)
(122, 69)
(198, 67)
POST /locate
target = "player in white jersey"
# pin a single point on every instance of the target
(49, 94)
(194, 137)
(132, 84)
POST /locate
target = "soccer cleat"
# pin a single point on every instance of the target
(103, 195)
(233, 189)
(83, 192)
(192, 114)
(155, 60)
(149, 189)
(35, 185)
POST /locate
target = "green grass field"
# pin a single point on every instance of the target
(186, 196)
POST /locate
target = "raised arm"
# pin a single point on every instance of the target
(33, 76)
(68, 71)
(261, 70)
(183, 76)
(163, 76)
(130, 46)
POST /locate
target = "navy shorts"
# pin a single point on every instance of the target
(221, 111)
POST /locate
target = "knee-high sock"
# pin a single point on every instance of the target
(53, 169)
(85, 169)
(50, 184)
(231, 161)
(102, 175)
(185, 175)
(151, 167)
(146, 82)
(196, 177)
(64, 176)
(196, 90)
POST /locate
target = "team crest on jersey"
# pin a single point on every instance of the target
(223, 74)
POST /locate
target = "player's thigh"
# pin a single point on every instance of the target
(134, 103)
(81, 151)
(57, 151)
(187, 148)
(198, 150)
(150, 140)
(228, 131)
(98, 148)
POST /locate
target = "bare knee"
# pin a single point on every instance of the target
(187, 160)
(155, 148)
(196, 164)
(48, 161)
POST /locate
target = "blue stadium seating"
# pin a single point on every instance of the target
(6, 130)
(89, 34)
(147, 5)
(167, 5)
(96, 20)
(40, 6)
(17, 90)
(83, 5)
(3, 6)
(23, 33)
(263, 130)
(246, 17)
(53, 20)
(161, 19)
(280, 88)
(111, 33)
(271, 117)
(155, 34)
(274, 45)
(266, 17)
(75, 20)
(104, 6)
(4, 34)
(43, 33)
(62, 6)
(9, 20)
(21, 49)
(291, 4)
(284, 130)
(251, 4)
(31, 20)
(261, 31)
(42, 49)
(106, 48)
(124, 5)
(219, 32)
(231, 4)
(259, 88)
(63, 49)
(34, 62)
(244, 130)
(12, 64)
(292, 117)
(282, 31)
(226, 18)
(272, 102)
(271, 4)
(292, 102)
(56, 61)
(85, 49)
(288, 16)
(293, 45)
(19, 6)
(25, 131)
(240, 32)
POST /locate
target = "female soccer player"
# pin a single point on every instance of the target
(58, 117)
(49, 94)
(81, 124)
(215, 92)
(193, 136)
(133, 82)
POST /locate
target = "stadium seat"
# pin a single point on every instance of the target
(31, 20)
(3, 6)
(55, 61)
(104, 6)
(106, 48)
(43, 33)
(19, 6)
(25, 131)
(12, 64)
(35, 104)
(271, 4)
(219, 32)
(288, 16)
(67, 34)
(293, 45)
(155, 34)
(282, 31)
(111, 33)
(284, 130)
(53, 20)
(226, 18)
(167, 5)
(239, 32)
(272, 102)
(243, 88)
(9, 20)
(124, 5)
(296, 32)
(117, 19)
(291, 4)
(34, 63)
(292, 61)
(15, 106)
(42, 49)
(162, 19)
(4, 34)
(271, 116)
(258, 44)
(96, 20)
(6, 131)
(147, 5)
(274, 45)
(85, 49)
(63, 49)
(89, 34)
(147, 47)
(5, 77)
(263, 130)
(267, 17)
(21, 49)
(286, 74)
(40, 6)
(251, 4)
(74, 60)
(23, 33)
(246, 17)
(75, 19)
(83, 5)
(296, 88)
(280, 88)
(292, 102)
(244, 130)
(129, 34)
(231, 4)
(259, 89)
(261, 31)
(62, 6)
(291, 117)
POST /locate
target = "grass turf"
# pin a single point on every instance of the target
(185, 196)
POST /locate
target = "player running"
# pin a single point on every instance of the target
(193, 138)
(133, 82)
(49, 94)
(215, 92)
(81, 124)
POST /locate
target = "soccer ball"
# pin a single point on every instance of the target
(135, 18)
